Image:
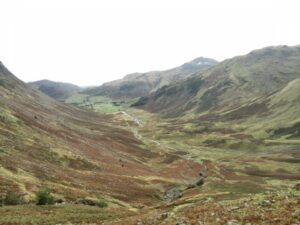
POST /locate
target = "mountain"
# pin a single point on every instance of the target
(140, 84)
(74, 152)
(260, 88)
(57, 90)
(223, 142)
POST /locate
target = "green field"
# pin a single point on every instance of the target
(98, 103)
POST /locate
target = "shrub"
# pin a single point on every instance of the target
(13, 198)
(92, 202)
(102, 204)
(44, 197)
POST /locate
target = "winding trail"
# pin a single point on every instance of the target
(134, 119)
(132, 129)
(140, 137)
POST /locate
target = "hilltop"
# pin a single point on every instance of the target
(57, 90)
(140, 84)
(260, 88)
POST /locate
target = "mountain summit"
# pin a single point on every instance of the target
(257, 85)
(141, 84)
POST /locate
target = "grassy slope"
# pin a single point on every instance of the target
(257, 92)
(243, 174)
(74, 152)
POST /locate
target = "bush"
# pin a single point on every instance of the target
(102, 204)
(92, 202)
(44, 197)
(13, 198)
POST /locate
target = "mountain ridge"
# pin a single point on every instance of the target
(57, 90)
(242, 83)
(140, 84)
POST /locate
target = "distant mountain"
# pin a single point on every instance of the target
(141, 84)
(262, 86)
(57, 90)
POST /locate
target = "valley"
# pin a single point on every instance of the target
(219, 145)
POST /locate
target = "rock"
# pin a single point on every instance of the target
(203, 172)
(190, 186)
(180, 222)
(232, 222)
(172, 194)
(297, 187)
(200, 182)
(139, 222)
(265, 203)
(296, 214)
(59, 201)
(234, 208)
(138, 206)
(164, 216)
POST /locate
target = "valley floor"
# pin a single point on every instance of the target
(247, 181)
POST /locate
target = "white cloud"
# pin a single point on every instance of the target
(89, 42)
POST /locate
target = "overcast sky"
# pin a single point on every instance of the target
(88, 42)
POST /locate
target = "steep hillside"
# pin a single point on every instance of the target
(261, 86)
(57, 90)
(75, 153)
(140, 84)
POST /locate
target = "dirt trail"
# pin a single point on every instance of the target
(136, 133)
(134, 119)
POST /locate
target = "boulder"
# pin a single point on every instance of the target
(172, 194)
(297, 187)
(200, 181)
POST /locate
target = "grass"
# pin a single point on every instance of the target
(107, 108)
(59, 214)
(99, 104)
(76, 99)
(133, 173)
(221, 146)
(237, 188)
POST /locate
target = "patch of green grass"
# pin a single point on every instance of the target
(76, 99)
(100, 99)
(100, 104)
(107, 108)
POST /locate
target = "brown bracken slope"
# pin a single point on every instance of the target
(74, 152)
